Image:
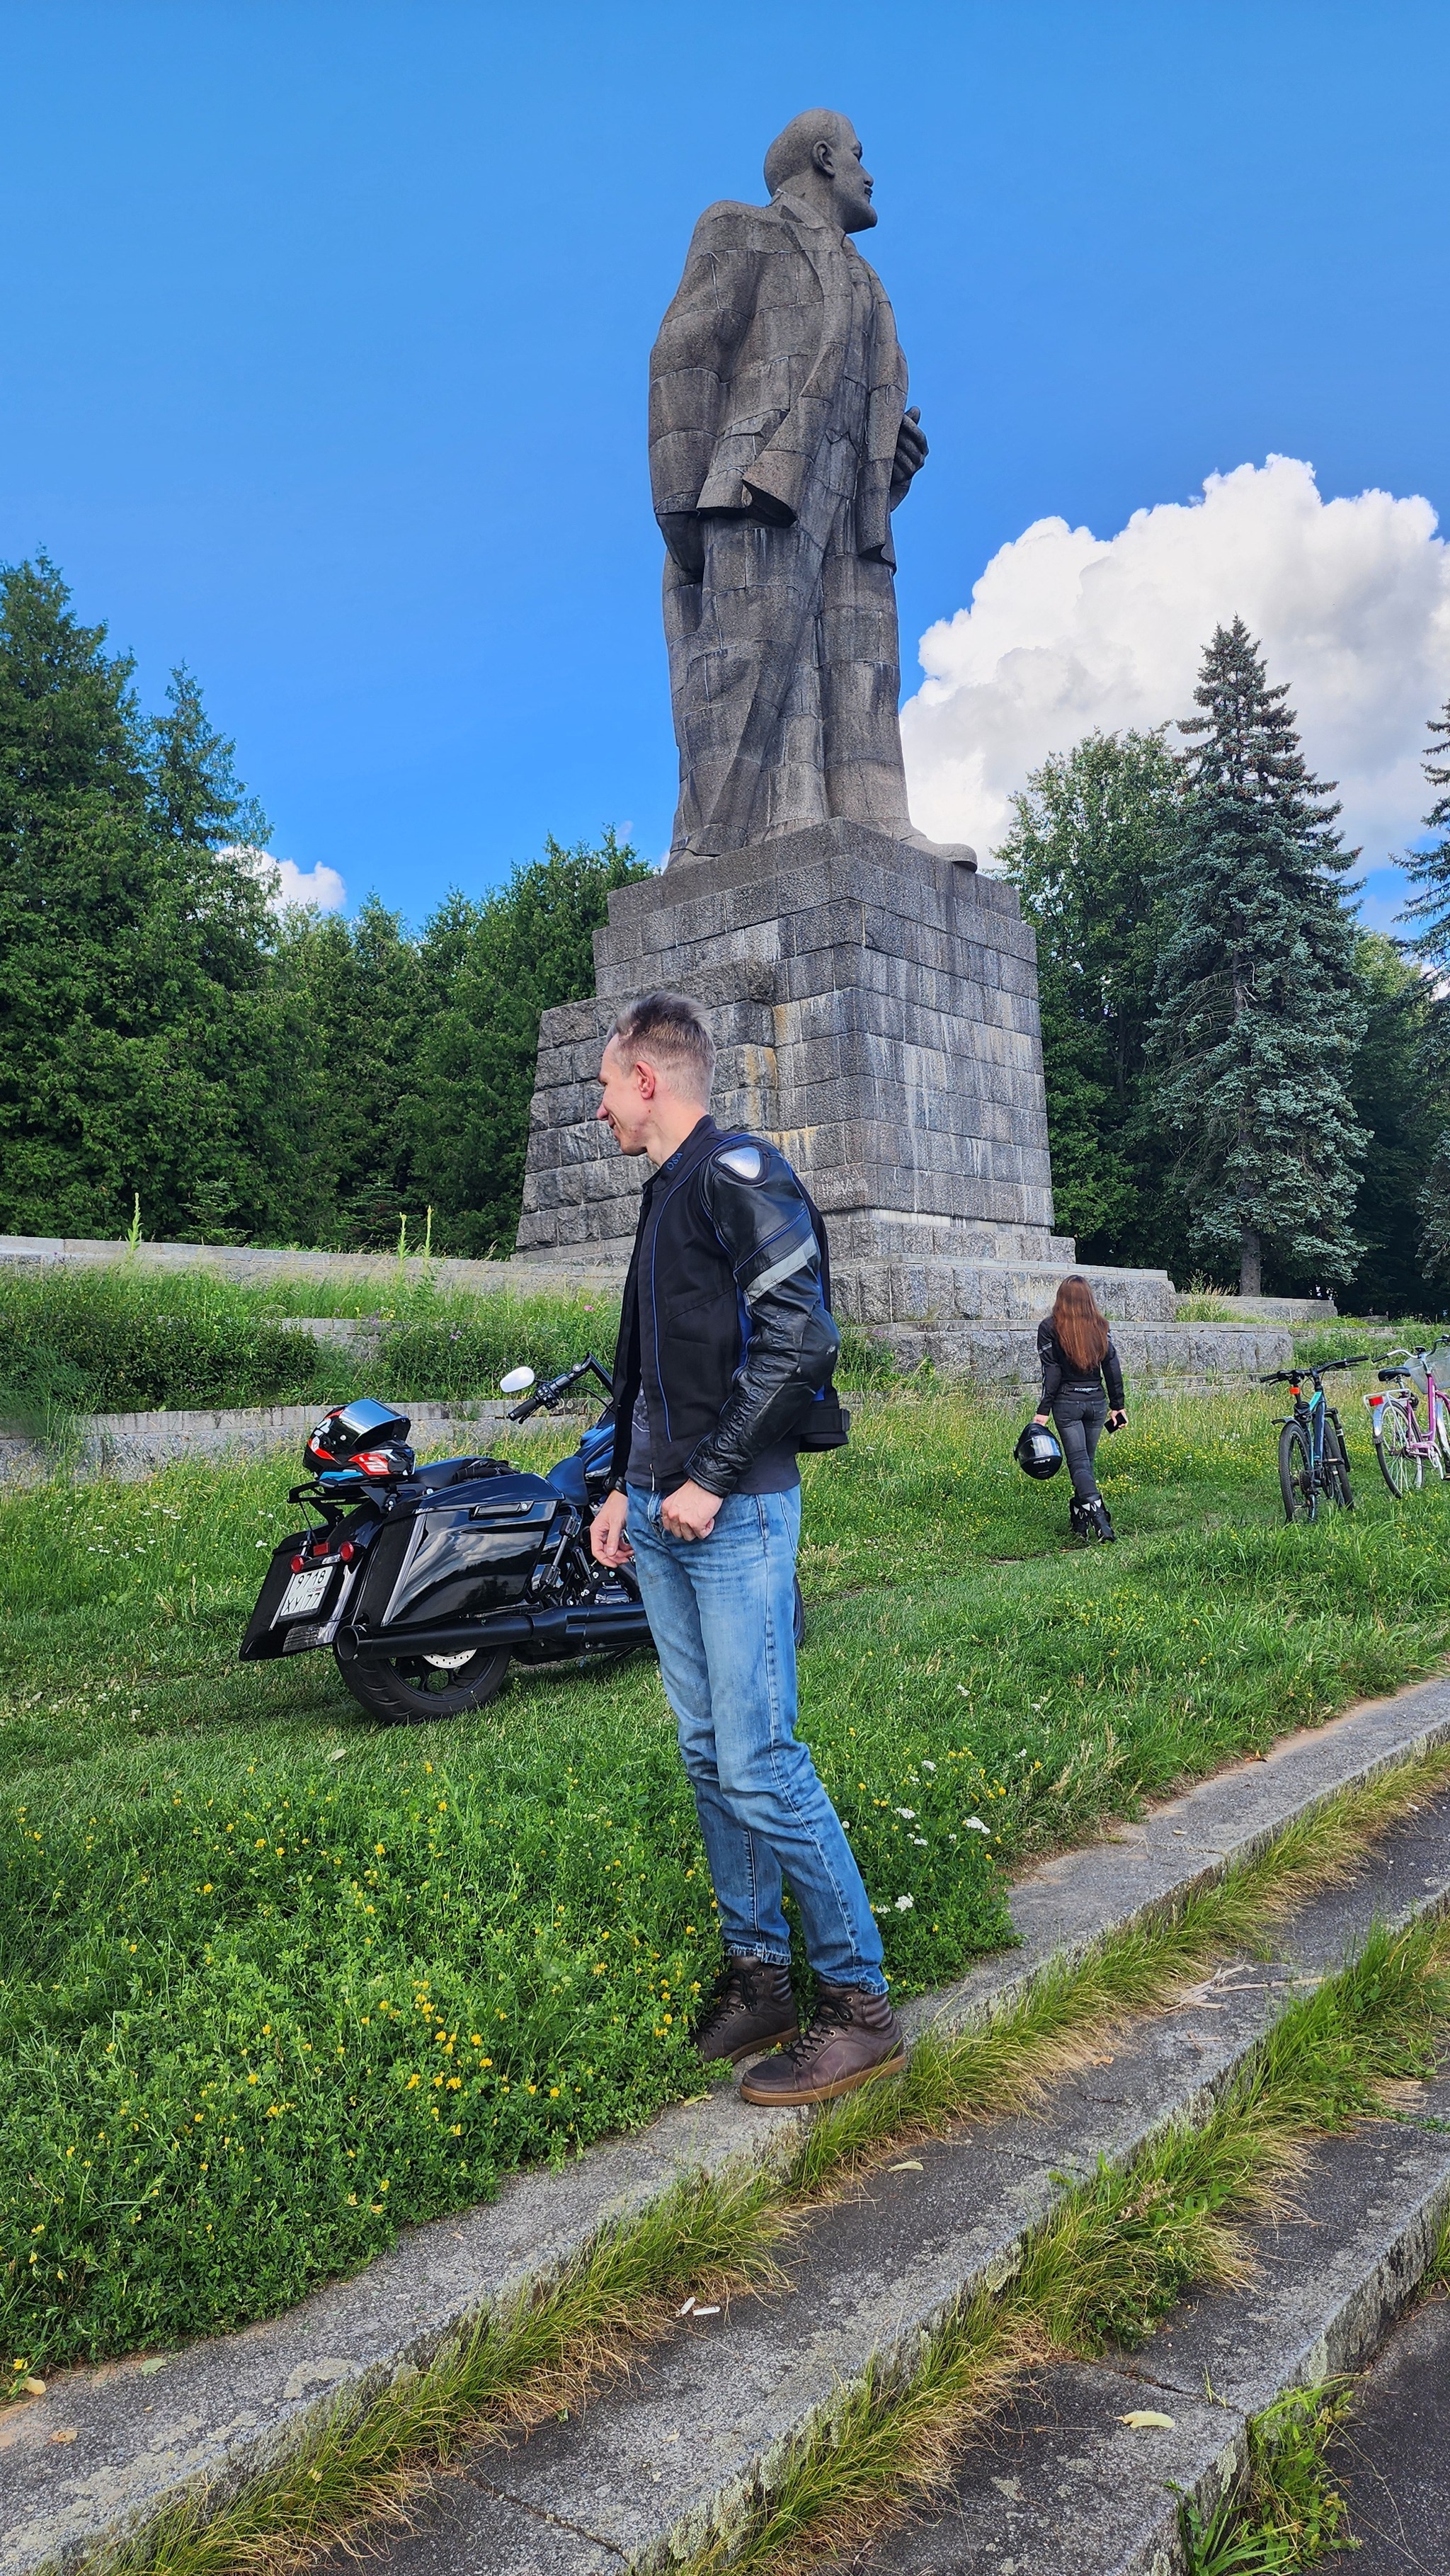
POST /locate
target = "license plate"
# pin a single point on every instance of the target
(305, 1592)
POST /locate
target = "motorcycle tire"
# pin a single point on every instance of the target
(406, 1690)
(798, 1615)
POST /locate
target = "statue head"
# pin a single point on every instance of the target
(818, 156)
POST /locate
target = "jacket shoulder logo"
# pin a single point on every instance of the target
(746, 1162)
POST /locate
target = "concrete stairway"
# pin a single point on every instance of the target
(690, 2443)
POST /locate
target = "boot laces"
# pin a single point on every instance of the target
(832, 2014)
(739, 1987)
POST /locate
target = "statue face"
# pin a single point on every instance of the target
(851, 183)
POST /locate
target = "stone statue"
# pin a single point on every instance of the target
(780, 444)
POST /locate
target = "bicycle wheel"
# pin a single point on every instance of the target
(1296, 1474)
(1399, 1465)
(1336, 1464)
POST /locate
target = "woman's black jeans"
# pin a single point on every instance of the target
(1079, 1413)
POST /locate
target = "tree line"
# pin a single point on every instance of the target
(166, 1038)
(1242, 1084)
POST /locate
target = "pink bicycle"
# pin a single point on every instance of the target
(1402, 1445)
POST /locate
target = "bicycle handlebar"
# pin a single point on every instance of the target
(1294, 1377)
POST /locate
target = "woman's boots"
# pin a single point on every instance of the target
(1088, 1520)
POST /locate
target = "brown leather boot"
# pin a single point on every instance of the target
(753, 2007)
(854, 2037)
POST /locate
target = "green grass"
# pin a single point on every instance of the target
(1288, 2512)
(124, 1338)
(544, 2353)
(218, 1990)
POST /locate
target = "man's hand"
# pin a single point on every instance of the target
(607, 1542)
(1041, 1420)
(689, 1512)
(911, 454)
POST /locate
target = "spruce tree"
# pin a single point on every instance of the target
(1259, 1007)
(1429, 871)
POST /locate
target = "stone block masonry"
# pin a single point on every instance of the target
(876, 1013)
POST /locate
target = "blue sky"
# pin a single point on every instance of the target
(325, 329)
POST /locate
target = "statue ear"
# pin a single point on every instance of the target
(824, 158)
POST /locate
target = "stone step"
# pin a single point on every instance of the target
(224, 2408)
(132, 1446)
(933, 1292)
(1058, 2485)
(1157, 1358)
(683, 2451)
(1262, 1310)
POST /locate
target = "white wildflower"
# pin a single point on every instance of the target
(975, 1825)
(904, 1904)
(909, 1813)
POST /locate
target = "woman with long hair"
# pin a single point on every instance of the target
(1082, 1388)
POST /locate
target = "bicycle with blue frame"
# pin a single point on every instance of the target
(1313, 1460)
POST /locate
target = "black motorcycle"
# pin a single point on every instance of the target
(428, 1582)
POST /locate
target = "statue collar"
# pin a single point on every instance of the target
(801, 211)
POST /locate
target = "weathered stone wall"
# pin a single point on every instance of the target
(876, 1012)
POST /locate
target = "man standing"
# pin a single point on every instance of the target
(725, 1351)
(780, 444)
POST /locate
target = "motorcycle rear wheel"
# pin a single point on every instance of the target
(405, 1690)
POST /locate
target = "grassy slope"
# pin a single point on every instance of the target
(277, 1980)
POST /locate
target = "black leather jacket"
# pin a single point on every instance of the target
(1060, 1375)
(725, 1325)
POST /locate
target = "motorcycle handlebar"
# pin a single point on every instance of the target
(555, 1387)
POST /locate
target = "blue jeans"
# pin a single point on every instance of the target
(722, 1613)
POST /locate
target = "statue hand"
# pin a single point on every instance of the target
(685, 538)
(911, 454)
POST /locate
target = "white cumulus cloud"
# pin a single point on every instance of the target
(288, 884)
(1349, 599)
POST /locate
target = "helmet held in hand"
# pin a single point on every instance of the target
(1038, 1452)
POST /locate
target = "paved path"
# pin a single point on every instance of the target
(1392, 2457)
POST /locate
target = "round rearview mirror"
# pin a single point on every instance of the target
(518, 1382)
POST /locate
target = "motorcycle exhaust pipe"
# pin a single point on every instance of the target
(505, 1628)
(566, 1628)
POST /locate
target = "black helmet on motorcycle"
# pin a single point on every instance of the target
(1038, 1452)
(353, 1433)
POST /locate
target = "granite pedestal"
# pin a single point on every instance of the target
(875, 1009)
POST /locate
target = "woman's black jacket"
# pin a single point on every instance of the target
(1059, 1372)
(726, 1322)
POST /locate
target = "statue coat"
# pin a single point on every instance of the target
(777, 389)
